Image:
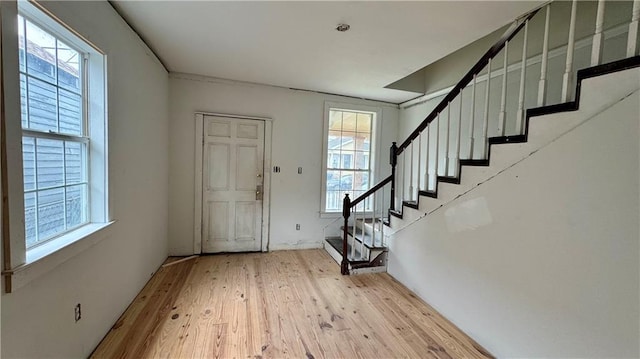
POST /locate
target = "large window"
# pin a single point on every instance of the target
(348, 156)
(57, 141)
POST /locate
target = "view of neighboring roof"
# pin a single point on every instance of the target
(40, 52)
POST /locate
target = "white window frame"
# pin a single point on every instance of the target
(82, 138)
(26, 265)
(373, 149)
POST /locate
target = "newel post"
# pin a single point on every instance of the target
(393, 160)
(346, 211)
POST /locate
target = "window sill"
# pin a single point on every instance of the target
(330, 215)
(46, 257)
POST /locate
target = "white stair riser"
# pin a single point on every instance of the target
(333, 252)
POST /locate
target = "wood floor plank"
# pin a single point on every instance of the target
(285, 304)
(135, 331)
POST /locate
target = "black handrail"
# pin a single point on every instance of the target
(513, 30)
(371, 191)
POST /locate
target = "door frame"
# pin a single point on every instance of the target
(199, 155)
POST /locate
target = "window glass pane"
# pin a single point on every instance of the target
(361, 181)
(21, 42)
(333, 180)
(50, 213)
(335, 120)
(333, 159)
(355, 195)
(50, 163)
(29, 163)
(334, 200)
(364, 122)
(347, 140)
(41, 53)
(346, 181)
(23, 101)
(30, 218)
(43, 106)
(70, 113)
(347, 159)
(362, 141)
(348, 121)
(68, 68)
(75, 205)
(334, 140)
(74, 159)
(362, 160)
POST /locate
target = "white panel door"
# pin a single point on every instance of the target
(233, 157)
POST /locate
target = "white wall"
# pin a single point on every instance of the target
(38, 319)
(543, 259)
(297, 141)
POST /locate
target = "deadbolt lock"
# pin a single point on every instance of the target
(259, 193)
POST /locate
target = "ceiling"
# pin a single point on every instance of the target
(295, 44)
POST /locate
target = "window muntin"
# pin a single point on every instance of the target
(55, 142)
(348, 156)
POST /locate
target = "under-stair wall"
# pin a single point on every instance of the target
(542, 259)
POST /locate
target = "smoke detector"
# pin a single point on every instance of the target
(343, 27)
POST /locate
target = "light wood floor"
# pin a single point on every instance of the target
(277, 305)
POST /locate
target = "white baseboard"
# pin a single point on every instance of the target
(294, 246)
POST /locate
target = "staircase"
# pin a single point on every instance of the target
(366, 246)
(480, 128)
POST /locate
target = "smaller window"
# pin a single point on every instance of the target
(349, 134)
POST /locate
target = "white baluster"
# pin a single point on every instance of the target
(398, 192)
(473, 115)
(502, 118)
(404, 175)
(399, 179)
(373, 220)
(419, 161)
(598, 41)
(458, 138)
(433, 167)
(523, 74)
(427, 166)
(542, 85)
(567, 77)
(382, 220)
(447, 126)
(362, 231)
(485, 120)
(353, 230)
(411, 174)
(632, 40)
(437, 151)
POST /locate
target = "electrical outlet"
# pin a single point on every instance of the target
(78, 312)
(297, 227)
